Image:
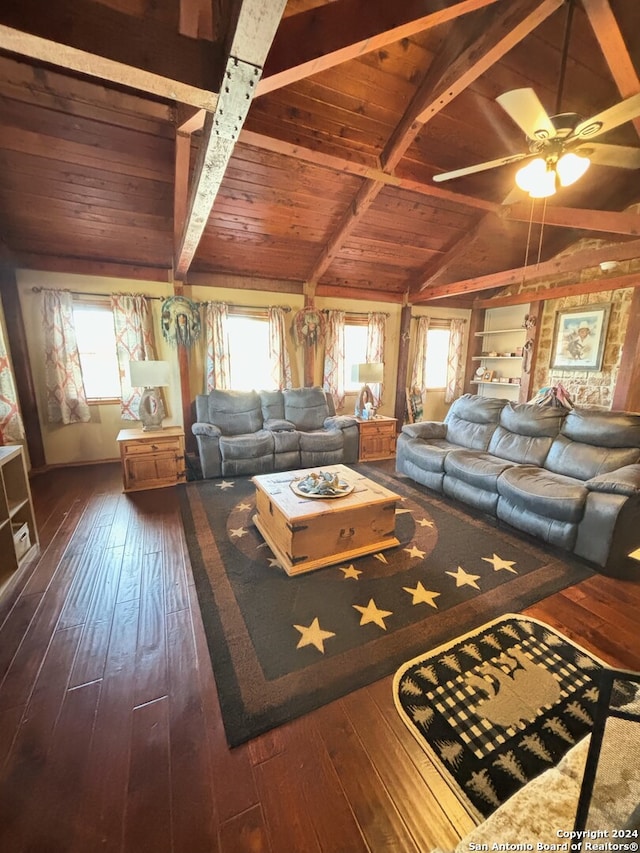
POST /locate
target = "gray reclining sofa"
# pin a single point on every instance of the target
(255, 432)
(571, 479)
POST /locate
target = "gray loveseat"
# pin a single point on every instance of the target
(571, 479)
(255, 432)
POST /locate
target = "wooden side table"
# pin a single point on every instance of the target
(377, 438)
(152, 459)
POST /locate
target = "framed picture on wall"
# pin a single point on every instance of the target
(579, 338)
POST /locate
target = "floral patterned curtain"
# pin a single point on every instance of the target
(11, 426)
(217, 373)
(66, 399)
(333, 379)
(455, 375)
(134, 342)
(418, 378)
(280, 367)
(376, 333)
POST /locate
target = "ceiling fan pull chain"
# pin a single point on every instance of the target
(544, 213)
(526, 253)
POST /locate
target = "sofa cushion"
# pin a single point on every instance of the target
(525, 433)
(543, 492)
(472, 420)
(272, 404)
(321, 440)
(285, 442)
(307, 408)
(477, 469)
(247, 446)
(234, 412)
(592, 443)
(428, 455)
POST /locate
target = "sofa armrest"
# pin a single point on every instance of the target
(339, 422)
(206, 429)
(623, 481)
(279, 425)
(426, 429)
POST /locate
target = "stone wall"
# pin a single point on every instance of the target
(586, 387)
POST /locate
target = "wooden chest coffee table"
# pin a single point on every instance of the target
(309, 533)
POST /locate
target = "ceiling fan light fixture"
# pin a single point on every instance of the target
(570, 167)
(537, 179)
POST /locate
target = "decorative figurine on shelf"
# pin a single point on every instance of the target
(180, 321)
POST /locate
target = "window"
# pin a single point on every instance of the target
(97, 348)
(250, 365)
(435, 365)
(355, 352)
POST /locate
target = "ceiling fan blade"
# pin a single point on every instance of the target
(608, 119)
(622, 156)
(480, 167)
(525, 109)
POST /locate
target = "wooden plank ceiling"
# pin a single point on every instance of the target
(296, 143)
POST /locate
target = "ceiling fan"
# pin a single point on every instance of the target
(560, 147)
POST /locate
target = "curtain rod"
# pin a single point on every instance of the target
(87, 293)
(285, 308)
(354, 313)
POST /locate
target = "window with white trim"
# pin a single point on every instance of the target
(249, 362)
(96, 339)
(355, 352)
(435, 364)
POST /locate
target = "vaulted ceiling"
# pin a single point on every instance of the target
(296, 143)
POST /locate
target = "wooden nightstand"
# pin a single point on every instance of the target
(153, 459)
(377, 438)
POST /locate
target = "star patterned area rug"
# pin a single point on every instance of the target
(282, 646)
(497, 707)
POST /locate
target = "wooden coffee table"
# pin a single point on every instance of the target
(307, 533)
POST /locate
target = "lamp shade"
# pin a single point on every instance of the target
(149, 374)
(370, 372)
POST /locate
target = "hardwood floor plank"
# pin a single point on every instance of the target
(419, 809)
(232, 774)
(194, 819)
(173, 547)
(29, 753)
(151, 653)
(245, 833)
(289, 829)
(130, 574)
(148, 816)
(434, 780)
(373, 807)
(14, 627)
(55, 795)
(103, 797)
(9, 723)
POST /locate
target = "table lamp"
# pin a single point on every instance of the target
(150, 375)
(365, 373)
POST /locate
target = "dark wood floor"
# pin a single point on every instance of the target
(110, 731)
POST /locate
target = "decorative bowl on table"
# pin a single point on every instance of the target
(321, 484)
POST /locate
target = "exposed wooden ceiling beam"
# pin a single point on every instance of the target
(344, 33)
(444, 79)
(340, 164)
(508, 278)
(568, 217)
(251, 31)
(94, 39)
(561, 291)
(506, 26)
(616, 54)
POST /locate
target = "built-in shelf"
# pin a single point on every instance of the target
(496, 384)
(499, 332)
(18, 534)
(494, 357)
